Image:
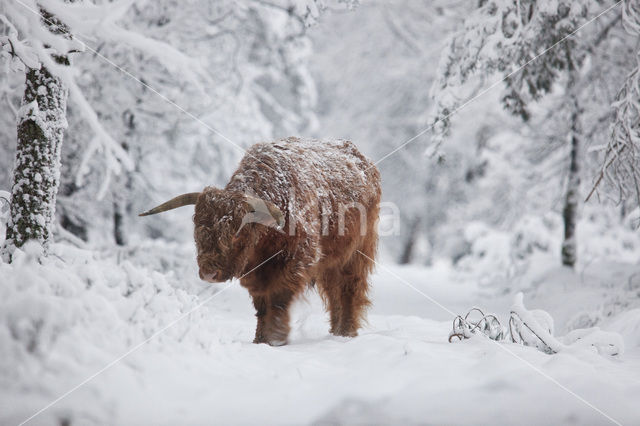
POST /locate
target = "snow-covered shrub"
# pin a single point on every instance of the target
(535, 234)
(497, 256)
(628, 325)
(535, 327)
(65, 316)
(603, 234)
(489, 257)
(509, 258)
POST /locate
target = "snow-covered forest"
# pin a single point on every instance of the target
(506, 134)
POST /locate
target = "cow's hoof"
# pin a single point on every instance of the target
(274, 342)
(344, 333)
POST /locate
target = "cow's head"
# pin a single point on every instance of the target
(223, 230)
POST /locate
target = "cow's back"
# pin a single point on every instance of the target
(305, 175)
(322, 187)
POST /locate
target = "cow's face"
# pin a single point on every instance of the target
(218, 216)
(222, 239)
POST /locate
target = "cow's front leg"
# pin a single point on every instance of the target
(272, 311)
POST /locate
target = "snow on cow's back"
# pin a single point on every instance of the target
(331, 169)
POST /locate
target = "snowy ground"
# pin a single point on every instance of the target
(64, 321)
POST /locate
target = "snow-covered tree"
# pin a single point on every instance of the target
(621, 163)
(530, 45)
(183, 135)
(41, 123)
(39, 38)
(178, 117)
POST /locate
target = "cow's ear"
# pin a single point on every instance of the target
(263, 212)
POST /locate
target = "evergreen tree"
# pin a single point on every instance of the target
(621, 164)
(536, 48)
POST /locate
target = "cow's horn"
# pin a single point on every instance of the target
(273, 217)
(174, 203)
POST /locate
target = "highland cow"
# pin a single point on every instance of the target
(295, 213)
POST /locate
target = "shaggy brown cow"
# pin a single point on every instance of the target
(296, 212)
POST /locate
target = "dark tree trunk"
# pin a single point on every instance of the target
(410, 243)
(36, 173)
(70, 218)
(570, 210)
(118, 224)
(121, 203)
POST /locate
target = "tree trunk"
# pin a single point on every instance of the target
(570, 210)
(121, 203)
(410, 243)
(36, 173)
(118, 223)
(70, 217)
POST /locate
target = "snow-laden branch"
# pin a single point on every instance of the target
(27, 18)
(93, 21)
(621, 163)
(524, 42)
(308, 11)
(115, 157)
(30, 39)
(17, 47)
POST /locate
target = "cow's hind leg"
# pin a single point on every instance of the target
(345, 291)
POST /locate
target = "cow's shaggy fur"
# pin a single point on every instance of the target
(329, 195)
